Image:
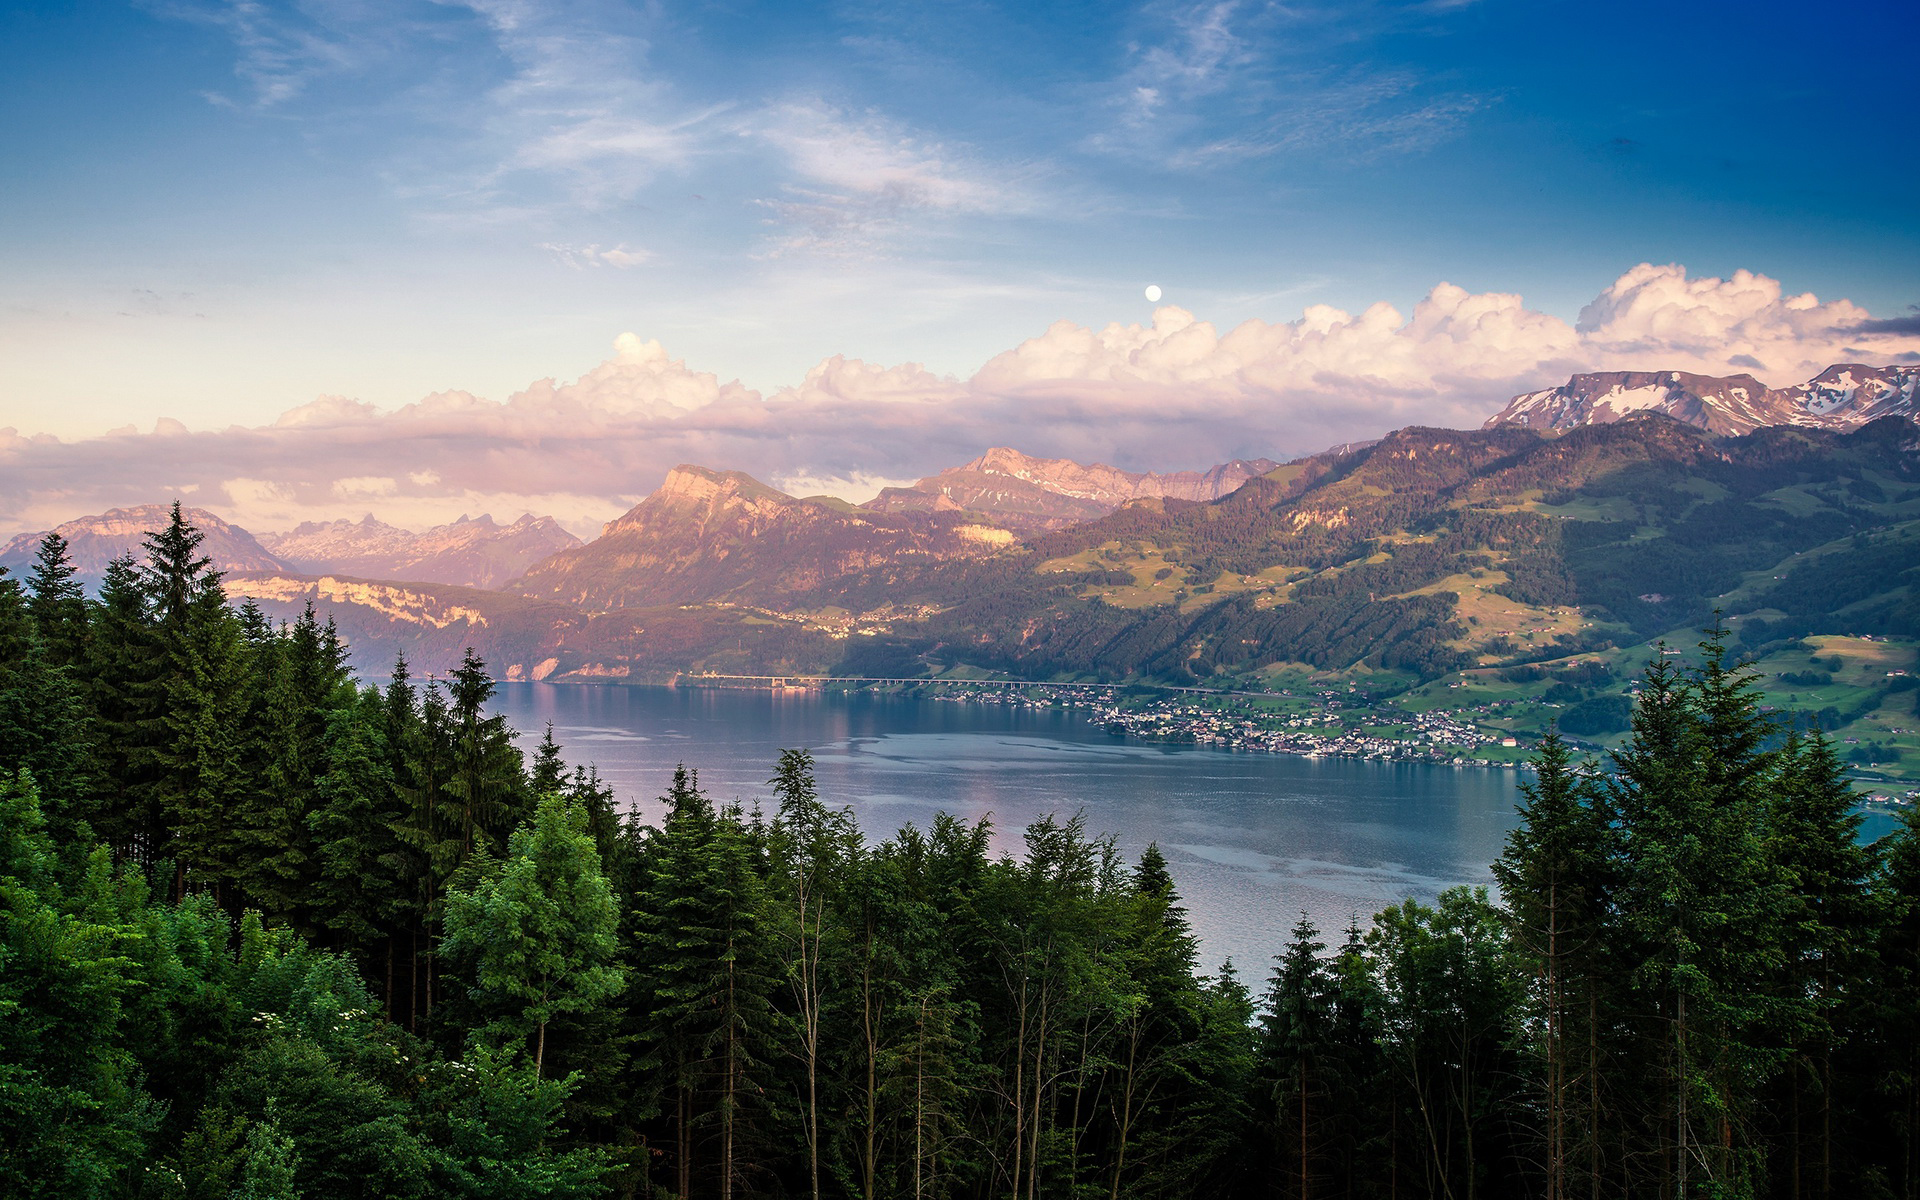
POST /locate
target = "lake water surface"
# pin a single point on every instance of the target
(1253, 839)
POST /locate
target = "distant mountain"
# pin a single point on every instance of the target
(93, 542)
(1845, 396)
(722, 535)
(471, 552)
(1027, 493)
(1429, 552)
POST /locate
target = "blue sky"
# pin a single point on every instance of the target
(215, 211)
(340, 240)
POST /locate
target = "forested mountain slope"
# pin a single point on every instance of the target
(1383, 558)
(1428, 552)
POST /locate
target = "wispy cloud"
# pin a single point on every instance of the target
(1214, 83)
(860, 178)
(580, 258)
(279, 52)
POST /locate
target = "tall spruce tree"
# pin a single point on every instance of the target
(1297, 1070)
(1555, 883)
(57, 603)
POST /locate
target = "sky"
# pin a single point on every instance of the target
(301, 261)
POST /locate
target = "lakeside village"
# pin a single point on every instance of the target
(1313, 722)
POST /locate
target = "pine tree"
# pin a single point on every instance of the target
(1554, 882)
(202, 785)
(707, 982)
(57, 604)
(1894, 997)
(126, 673)
(1297, 1044)
(359, 888)
(484, 782)
(1829, 913)
(45, 725)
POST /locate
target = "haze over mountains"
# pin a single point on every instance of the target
(94, 541)
(1029, 493)
(473, 551)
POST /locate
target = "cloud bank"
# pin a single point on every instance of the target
(1178, 393)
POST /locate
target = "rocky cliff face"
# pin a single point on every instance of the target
(471, 552)
(1032, 494)
(722, 535)
(432, 624)
(1841, 397)
(93, 542)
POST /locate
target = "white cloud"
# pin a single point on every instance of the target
(1175, 393)
(579, 258)
(863, 178)
(855, 488)
(278, 53)
(366, 487)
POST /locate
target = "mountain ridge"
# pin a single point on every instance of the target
(470, 552)
(97, 539)
(1029, 494)
(1844, 396)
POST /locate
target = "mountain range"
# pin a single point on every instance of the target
(95, 541)
(1844, 396)
(1617, 507)
(1028, 494)
(472, 551)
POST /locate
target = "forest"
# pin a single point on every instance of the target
(267, 932)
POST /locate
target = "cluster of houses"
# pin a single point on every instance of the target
(1431, 737)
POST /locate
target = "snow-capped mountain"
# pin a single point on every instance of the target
(1843, 396)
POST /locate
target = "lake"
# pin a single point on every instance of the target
(1253, 839)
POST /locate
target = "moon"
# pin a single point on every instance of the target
(1153, 293)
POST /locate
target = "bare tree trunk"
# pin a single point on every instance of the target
(685, 1137)
(728, 1086)
(919, 1096)
(871, 1035)
(1680, 1099)
(1126, 1111)
(1304, 1187)
(1019, 1085)
(1039, 1091)
(1593, 1090)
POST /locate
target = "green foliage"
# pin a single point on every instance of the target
(540, 933)
(294, 939)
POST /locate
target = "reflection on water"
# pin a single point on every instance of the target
(1253, 839)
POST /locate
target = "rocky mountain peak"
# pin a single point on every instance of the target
(1844, 396)
(1025, 492)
